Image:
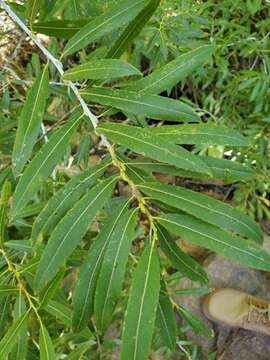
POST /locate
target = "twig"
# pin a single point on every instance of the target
(58, 65)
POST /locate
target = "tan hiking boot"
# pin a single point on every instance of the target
(238, 309)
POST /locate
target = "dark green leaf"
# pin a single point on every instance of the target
(141, 309)
(196, 324)
(84, 291)
(153, 106)
(213, 238)
(29, 122)
(6, 290)
(41, 167)
(5, 194)
(116, 16)
(111, 275)
(20, 350)
(138, 140)
(181, 261)
(46, 345)
(70, 230)
(205, 208)
(62, 29)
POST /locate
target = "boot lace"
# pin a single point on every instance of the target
(258, 312)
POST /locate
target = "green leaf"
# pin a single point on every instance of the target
(46, 345)
(78, 352)
(198, 134)
(70, 230)
(20, 350)
(4, 312)
(5, 195)
(192, 291)
(6, 290)
(165, 320)
(173, 72)
(226, 170)
(101, 69)
(33, 7)
(181, 261)
(111, 275)
(23, 246)
(48, 292)
(84, 292)
(60, 311)
(116, 16)
(62, 29)
(213, 238)
(9, 340)
(196, 324)
(138, 140)
(153, 106)
(29, 122)
(41, 167)
(141, 309)
(132, 30)
(205, 208)
(64, 199)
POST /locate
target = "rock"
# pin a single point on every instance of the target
(230, 344)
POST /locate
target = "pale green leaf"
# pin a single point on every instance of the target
(6, 290)
(9, 340)
(84, 292)
(42, 165)
(20, 350)
(111, 275)
(116, 16)
(141, 309)
(199, 134)
(45, 344)
(153, 106)
(165, 320)
(205, 208)
(33, 7)
(132, 30)
(173, 72)
(215, 239)
(181, 261)
(62, 29)
(64, 199)
(196, 324)
(29, 122)
(138, 140)
(5, 195)
(70, 230)
(101, 69)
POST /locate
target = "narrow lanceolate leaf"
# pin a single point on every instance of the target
(205, 208)
(47, 293)
(213, 238)
(64, 199)
(165, 320)
(41, 167)
(173, 72)
(101, 69)
(20, 349)
(6, 290)
(46, 345)
(199, 134)
(153, 106)
(116, 16)
(60, 311)
(132, 30)
(33, 7)
(78, 352)
(84, 293)
(29, 122)
(70, 230)
(141, 309)
(181, 261)
(225, 170)
(5, 195)
(196, 324)
(62, 29)
(140, 141)
(9, 340)
(110, 280)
